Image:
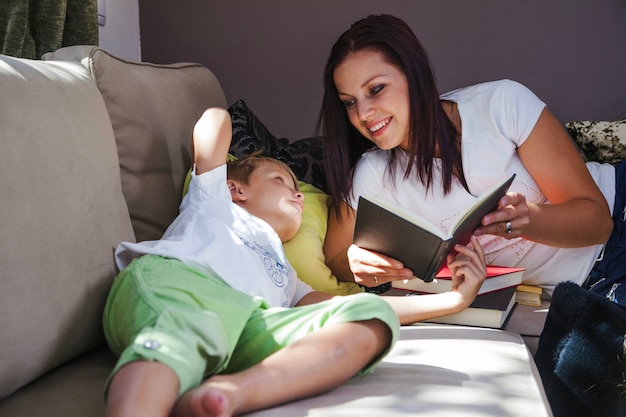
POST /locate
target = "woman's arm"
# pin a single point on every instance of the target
(577, 215)
(351, 263)
(338, 239)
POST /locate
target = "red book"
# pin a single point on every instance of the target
(498, 277)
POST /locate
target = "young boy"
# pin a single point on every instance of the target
(213, 298)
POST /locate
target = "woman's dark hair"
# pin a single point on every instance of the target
(429, 130)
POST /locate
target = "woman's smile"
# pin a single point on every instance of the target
(378, 126)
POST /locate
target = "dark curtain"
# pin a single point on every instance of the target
(30, 28)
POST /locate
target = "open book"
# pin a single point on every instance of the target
(413, 240)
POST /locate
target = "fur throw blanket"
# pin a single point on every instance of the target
(582, 354)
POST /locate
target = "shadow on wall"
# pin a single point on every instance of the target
(271, 54)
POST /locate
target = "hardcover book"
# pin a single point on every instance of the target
(529, 295)
(488, 310)
(413, 240)
(498, 277)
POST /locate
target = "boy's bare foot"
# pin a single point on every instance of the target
(207, 400)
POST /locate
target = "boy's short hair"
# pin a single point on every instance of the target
(241, 169)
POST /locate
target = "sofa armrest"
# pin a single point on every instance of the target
(438, 370)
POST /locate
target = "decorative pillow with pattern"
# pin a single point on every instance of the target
(600, 141)
(304, 156)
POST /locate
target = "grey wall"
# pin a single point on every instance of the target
(271, 53)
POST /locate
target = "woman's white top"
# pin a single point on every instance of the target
(496, 118)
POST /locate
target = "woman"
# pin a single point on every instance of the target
(390, 133)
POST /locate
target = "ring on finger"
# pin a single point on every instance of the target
(507, 224)
(376, 279)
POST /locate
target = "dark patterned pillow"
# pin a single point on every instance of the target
(304, 156)
(600, 141)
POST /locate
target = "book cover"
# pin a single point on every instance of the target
(420, 245)
(498, 277)
(529, 295)
(488, 310)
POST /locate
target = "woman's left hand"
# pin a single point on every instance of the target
(509, 220)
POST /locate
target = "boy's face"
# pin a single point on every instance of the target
(272, 196)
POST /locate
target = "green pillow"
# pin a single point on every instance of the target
(304, 251)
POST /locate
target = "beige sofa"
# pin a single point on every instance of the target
(93, 151)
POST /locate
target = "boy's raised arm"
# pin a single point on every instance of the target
(212, 135)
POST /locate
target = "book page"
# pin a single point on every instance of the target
(485, 203)
(407, 215)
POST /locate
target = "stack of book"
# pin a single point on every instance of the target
(492, 307)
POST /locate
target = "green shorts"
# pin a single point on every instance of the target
(161, 309)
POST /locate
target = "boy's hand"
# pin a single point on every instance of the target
(468, 270)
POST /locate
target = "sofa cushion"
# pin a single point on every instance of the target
(153, 109)
(62, 214)
(433, 370)
(437, 370)
(73, 390)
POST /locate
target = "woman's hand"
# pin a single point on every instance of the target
(577, 214)
(509, 220)
(372, 269)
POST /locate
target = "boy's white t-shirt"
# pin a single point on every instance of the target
(496, 118)
(214, 234)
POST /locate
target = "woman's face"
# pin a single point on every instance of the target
(376, 97)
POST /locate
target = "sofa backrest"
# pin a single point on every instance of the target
(93, 151)
(62, 213)
(153, 109)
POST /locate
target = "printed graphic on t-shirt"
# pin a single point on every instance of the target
(275, 269)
